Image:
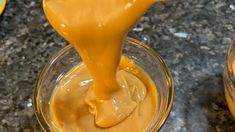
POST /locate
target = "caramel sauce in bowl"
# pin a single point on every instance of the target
(229, 78)
(142, 55)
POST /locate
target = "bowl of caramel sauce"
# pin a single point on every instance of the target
(62, 93)
(102, 81)
(229, 78)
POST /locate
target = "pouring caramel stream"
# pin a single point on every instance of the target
(97, 30)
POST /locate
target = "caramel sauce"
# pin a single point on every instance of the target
(71, 112)
(97, 29)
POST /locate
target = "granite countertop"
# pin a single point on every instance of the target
(191, 35)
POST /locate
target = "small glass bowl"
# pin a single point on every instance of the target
(67, 58)
(229, 78)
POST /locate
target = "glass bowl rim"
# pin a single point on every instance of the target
(228, 65)
(170, 93)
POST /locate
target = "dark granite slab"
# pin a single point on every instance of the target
(191, 35)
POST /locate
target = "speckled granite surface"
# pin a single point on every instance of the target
(191, 35)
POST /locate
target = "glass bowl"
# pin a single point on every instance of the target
(229, 78)
(67, 58)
